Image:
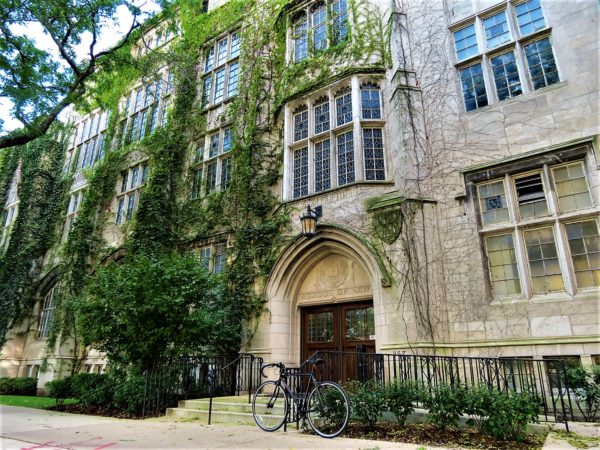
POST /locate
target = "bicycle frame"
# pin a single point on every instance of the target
(298, 402)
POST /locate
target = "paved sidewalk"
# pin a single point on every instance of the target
(29, 429)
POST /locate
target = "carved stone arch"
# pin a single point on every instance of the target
(343, 90)
(329, 258)
(300, 108)
(47, 282)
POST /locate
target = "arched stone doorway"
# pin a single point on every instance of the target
(324, 293)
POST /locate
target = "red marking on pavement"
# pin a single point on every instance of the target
(105, 445)
(44, 445)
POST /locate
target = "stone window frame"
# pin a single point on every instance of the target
(203, 159)
(517, 44)
(73, 206)
(356, 125)
(554, 218)
(128, 189)
(88, 144)
(304, 14)
(213, 256)
(46, 313)
(212, 66)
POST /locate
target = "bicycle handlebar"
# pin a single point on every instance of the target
(280, 366)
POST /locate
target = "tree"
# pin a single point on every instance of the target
(43, 82)
(147, 309)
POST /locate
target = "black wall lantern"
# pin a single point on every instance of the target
(309, 220)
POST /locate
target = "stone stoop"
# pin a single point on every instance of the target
(233, 410)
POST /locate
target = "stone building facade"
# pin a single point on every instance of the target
(456, 163)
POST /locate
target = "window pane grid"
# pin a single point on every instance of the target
(320, 327)
(506, 76)
(530, 17)
(322, 116)
(211, 175)
(473, 87)
(531, 196)
(340, 21)
(219, 85)
(373, 154)
(584, 244)
(465, 42)
(301, 124)
(345, 158)
(371, 107)
(301, 172)
(502, 261)
(571, 187)
(46, 313)
(319, 28)
(343, 107)
(300, 39)
(492, 203)
(360, 324)
(540, 59)
(225, 173)
(496, 30)
(546, 275)
(322, 165)
(232, 87)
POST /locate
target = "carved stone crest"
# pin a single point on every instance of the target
(333, 272)
(387, 224)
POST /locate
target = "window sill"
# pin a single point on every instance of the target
(340, 188)
(562, 296)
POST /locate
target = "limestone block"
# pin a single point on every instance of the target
(550, 326)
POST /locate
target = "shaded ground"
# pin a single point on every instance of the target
(425, 434)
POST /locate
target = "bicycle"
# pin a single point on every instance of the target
(324, 404)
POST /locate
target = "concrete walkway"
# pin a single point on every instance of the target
(35, 429)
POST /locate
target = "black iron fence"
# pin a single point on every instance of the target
(212, 376)
(545, 379)
(199, 377)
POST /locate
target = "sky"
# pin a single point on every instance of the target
(109, 36)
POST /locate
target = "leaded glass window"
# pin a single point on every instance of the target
(300, 180)
(373, 154)
(47, 312)
(301, 123)
(343, 107)
(320, 327)
(321, 109)
(370, 101)
(213, 150)
(322, 165)
(221, 51)
(225, 173)
(211, 175)
(300, 37)
(345, 158)
(219, 85)
(531, 196)
(232, 88)
(339, 10)
(319, 26)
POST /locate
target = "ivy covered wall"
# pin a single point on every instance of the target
(167, 221)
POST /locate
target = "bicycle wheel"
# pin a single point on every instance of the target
(269, 406)
(328, 409)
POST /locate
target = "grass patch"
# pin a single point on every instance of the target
(28, 401)
(577, 440)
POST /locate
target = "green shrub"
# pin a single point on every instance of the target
(400, 399)
(368, 402)
(445, 404)
(503, 415)
(60, 389)
(586, 387)
(18, 386)
(92, 389)
(128, 392)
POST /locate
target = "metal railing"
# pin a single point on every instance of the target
(198, 376)
(245, 370)
(545, 379)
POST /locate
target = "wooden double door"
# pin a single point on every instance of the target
(343, 332)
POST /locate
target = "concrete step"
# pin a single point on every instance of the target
(225, 410)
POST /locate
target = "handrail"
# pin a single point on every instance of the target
(212, 378)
